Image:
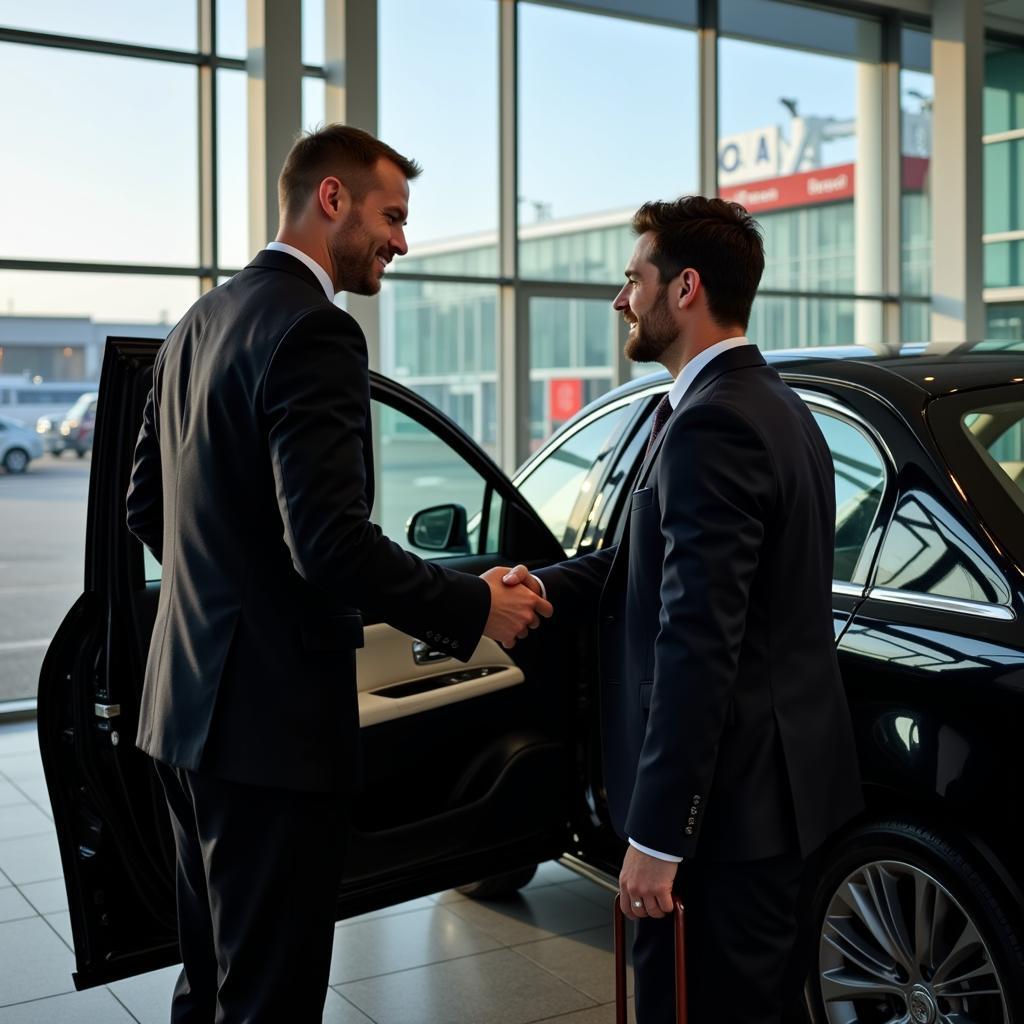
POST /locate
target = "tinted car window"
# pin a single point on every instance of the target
(997, 431)
(560, 482)
(860, 481)
(926, 551)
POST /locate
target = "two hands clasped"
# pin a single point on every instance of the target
(517, 604)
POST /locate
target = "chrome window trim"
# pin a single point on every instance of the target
(934, 602)
(814, 398)
(847, 589)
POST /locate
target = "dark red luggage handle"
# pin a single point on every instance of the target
(620, 962)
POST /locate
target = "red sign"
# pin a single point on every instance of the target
(827, 185)
(805, 189)
(565, 399)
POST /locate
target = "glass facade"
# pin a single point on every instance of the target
(554, 119)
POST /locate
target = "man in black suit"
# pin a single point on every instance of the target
(253, 484)
(726, 734)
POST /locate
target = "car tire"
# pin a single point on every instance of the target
(499, 887)
(899, 916)
(16, 460)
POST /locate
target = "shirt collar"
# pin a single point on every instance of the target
(689, 372)
(303, 257)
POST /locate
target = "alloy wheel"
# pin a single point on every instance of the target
(897, 948)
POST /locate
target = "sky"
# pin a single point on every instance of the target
(107, 151)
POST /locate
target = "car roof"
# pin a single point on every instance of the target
(935, 368)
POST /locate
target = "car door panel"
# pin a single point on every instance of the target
(460, 780)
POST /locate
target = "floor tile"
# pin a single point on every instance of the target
(36, 791)
(23, 820)
(551, 873)
(383, 945)
(590, 891)
(426, 903)
(584, 960)
(533, 915)
(21, 765)
(597, 1015)
(44, 963)
(18, 738)
(94, 1006)
(31, 859)
(13, 905)
(61, 924)
(10, 795)
(338, 1010)
(493, 988)
(147, 996)
(448, 896)
(46, 897)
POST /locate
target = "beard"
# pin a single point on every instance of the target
(655, 331)
(355, 259)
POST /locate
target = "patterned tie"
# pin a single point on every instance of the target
(661, 415)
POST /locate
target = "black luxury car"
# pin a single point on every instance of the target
(476, 772)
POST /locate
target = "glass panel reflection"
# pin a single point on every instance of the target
(926, 551)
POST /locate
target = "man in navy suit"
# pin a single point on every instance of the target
(726, 736)
(253, 484)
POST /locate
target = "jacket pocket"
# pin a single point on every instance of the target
(642, 498)
(334, 633)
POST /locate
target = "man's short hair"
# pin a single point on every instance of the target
(718, 239)
(338, 150)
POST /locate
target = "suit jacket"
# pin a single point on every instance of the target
(253, 483)
(725, 728)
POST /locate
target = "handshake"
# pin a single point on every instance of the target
(517, 604)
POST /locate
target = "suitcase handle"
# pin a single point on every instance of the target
(620, 962)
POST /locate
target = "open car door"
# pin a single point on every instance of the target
(469, 768)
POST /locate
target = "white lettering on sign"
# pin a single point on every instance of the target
(823, 186)
(756, 196)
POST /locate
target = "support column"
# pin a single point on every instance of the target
(869, 212)
(208, 255)
(274, 67)
(513, 319)
(958, 64)
(350, 37)
(707, 90)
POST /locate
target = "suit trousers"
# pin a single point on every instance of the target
(258, 870)
(741, 927)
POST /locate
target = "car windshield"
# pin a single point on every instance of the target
(77, 411)
(996, 432)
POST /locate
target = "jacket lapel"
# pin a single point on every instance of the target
(739, 358)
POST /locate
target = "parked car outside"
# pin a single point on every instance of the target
(18, 445)
(479, 771)
(74, 430)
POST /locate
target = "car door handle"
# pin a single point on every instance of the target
(423, 654)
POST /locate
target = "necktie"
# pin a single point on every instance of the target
(661, 415)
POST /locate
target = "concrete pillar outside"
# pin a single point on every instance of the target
(958, 64)
(869, 201)
(274, 68)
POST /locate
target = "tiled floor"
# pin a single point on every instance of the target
(440, 960)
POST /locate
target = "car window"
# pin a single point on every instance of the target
(997, 431)
(860, 482)
(927, 551)
(560, 485)
(414, 470)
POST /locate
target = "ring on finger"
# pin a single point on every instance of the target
(638, 904)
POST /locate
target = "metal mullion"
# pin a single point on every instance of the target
(207, 149)
(73, 267)
(707, 92)
(513, 338)
(892, 174)
(101, 46)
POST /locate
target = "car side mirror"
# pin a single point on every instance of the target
(441, 528)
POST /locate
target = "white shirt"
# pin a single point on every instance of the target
(304, 257)
(675, 395)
